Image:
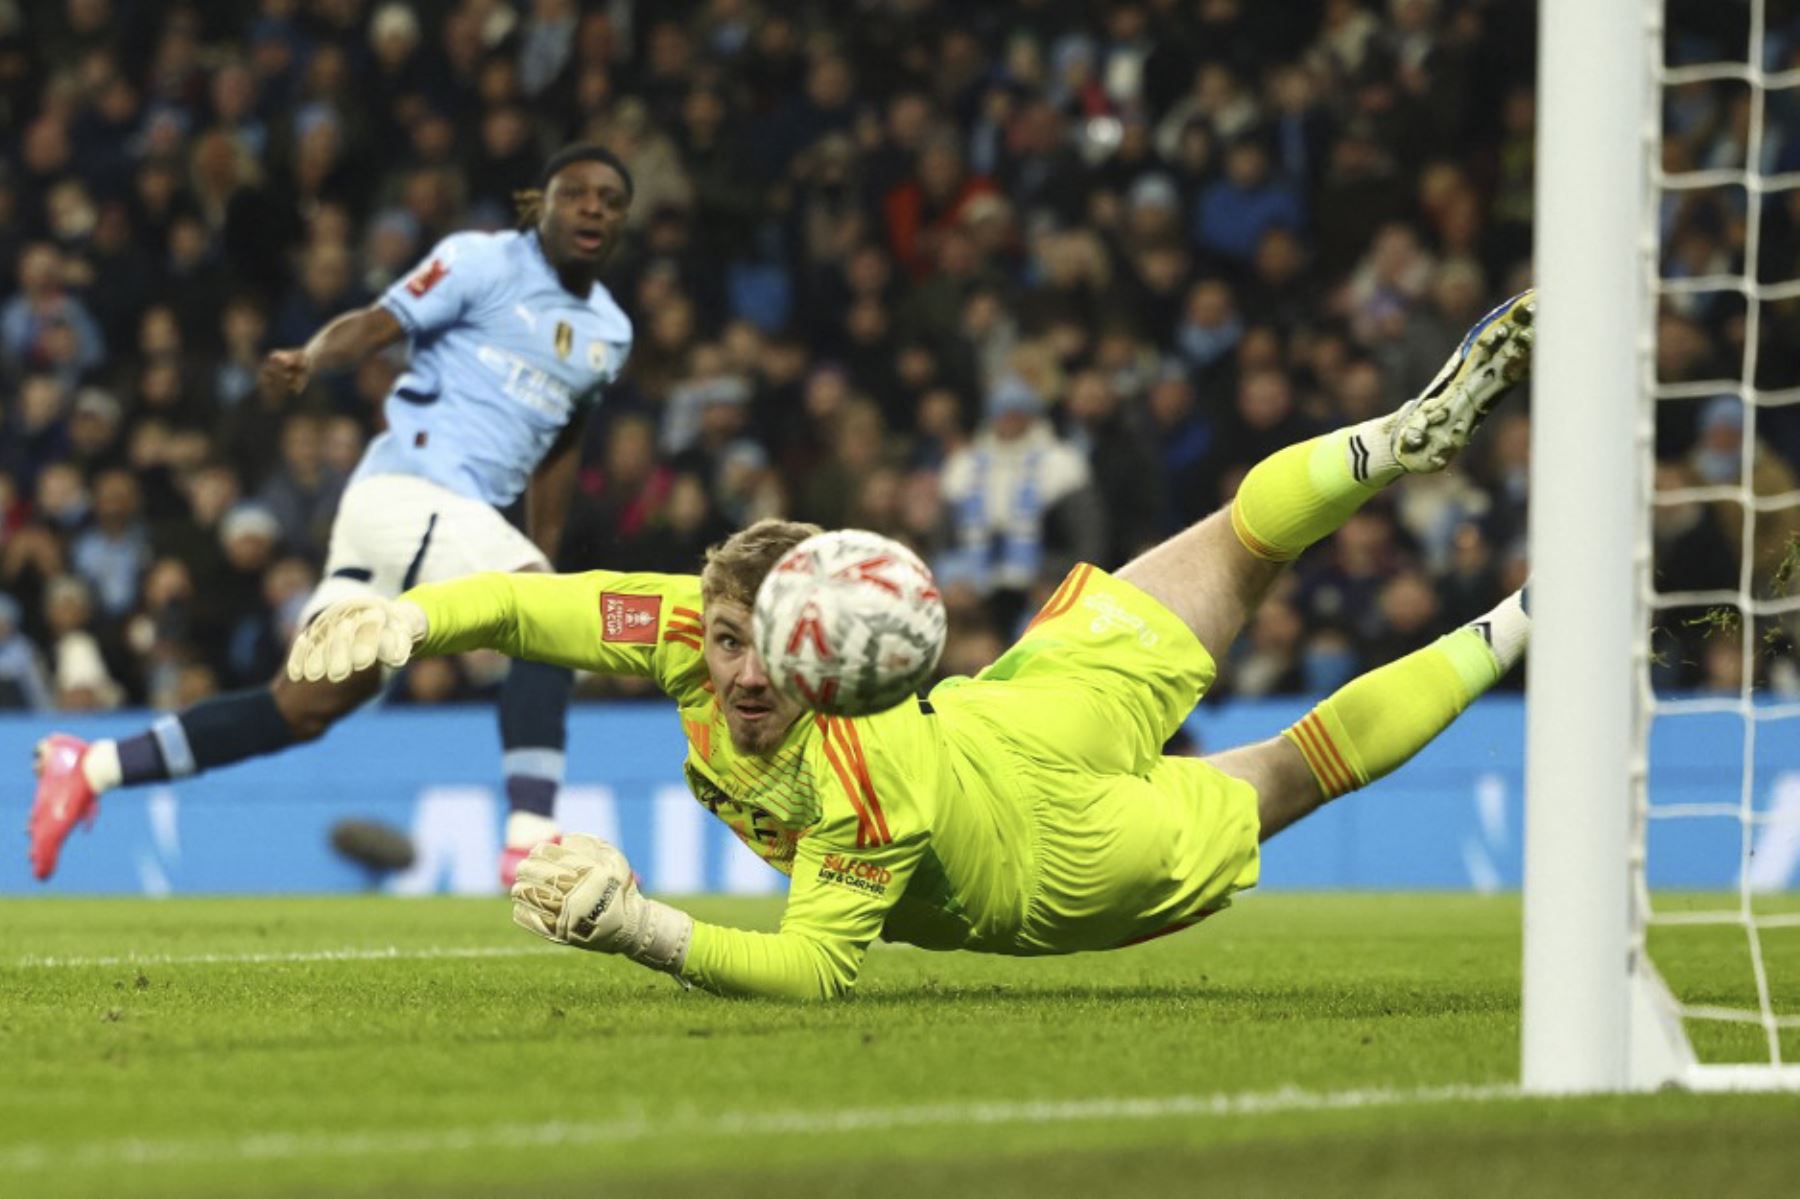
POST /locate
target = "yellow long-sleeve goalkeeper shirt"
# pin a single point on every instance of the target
(884, 824)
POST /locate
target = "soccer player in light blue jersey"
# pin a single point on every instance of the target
(513, 338)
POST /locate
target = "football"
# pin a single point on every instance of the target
(849, 623)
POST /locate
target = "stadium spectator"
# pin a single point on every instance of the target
(302, 493)
(113, 553)
(1271, 663)
(1210, 328)
(1021, 502)
(1246, 202)
(918, 211)
(1692, 552)
(621, 495)
(45, 328)
(95, 422)
(1122, 463)
(1718, 460)
(22, 681)
(79, 669)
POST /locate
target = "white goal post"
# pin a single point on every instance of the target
(1596, 1016)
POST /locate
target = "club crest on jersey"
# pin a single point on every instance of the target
(565, 340)
(427, 277)
(596, 355)
(629, 619)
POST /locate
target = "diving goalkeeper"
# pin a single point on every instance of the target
(1027, 810)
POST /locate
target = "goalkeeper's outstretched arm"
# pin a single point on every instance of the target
(602, 620)
(836, 906)
(582, 893)
(560, 619)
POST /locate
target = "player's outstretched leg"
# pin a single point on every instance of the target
(1214, 574)
(1303, 493)
(534, 708)
(1376, 722)
(72, 774)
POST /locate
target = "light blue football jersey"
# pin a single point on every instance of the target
(503, 357)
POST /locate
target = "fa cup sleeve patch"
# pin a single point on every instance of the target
(629, 619)
(428, 277)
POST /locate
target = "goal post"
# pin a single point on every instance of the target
(1596, 1015)
(1587, 504)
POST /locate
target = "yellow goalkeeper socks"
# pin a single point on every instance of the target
(1300, 494)
(1375, 723)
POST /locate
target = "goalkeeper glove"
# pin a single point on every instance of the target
(353, 635)
(580, 891)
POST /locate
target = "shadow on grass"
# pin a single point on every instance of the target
(1264, 1002)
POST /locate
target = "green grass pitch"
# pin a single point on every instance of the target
(1314, 1045)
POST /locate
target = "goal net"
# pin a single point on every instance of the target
(1662, 943)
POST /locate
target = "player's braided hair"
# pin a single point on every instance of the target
(736, 567)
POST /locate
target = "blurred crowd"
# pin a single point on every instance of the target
(1020, 283)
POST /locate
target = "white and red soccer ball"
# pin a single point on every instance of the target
(849, 623)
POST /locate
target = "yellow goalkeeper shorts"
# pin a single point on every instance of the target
(1127, 843)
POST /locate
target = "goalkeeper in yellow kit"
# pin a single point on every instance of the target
(1028, 810)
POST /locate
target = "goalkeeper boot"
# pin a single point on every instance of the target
(525, 831)
(1494, 356)
(64, 799)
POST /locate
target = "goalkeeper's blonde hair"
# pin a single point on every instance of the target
(736, 567)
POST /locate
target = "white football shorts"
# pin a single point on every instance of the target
(393, 531)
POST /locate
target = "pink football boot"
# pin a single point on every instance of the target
(64, 800)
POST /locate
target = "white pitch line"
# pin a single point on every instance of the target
(629, 1128)
(379, 953)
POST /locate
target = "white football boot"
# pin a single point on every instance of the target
(1492, 359)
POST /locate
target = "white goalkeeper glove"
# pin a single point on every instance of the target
(354, 634)
(580, 891)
